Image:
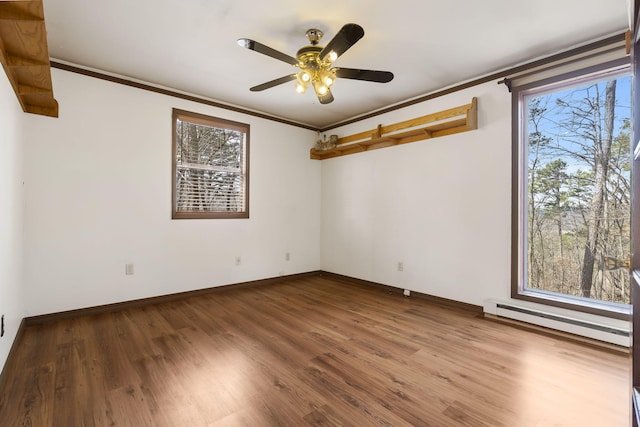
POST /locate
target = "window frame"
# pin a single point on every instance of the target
(205, 120)
(518, 191)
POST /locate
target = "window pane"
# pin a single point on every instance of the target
(210, 166)
(577, 189)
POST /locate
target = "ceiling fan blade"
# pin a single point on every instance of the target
(266, 50)
(327, 98)
(368, 75)
(346, 37)
(273, 83)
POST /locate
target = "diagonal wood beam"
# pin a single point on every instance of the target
(23, 61)
(24, 55)
(21, 10)
(27, 89)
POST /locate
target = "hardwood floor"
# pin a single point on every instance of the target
(309, 351)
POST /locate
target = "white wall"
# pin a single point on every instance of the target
(12, 303)
(98, 196)
(440, 206)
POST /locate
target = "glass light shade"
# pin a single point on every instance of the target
(303, 80)
(328, 77)
(320, 88)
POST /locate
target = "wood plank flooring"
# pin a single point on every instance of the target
(309, 351)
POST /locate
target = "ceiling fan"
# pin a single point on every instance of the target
(316, 63)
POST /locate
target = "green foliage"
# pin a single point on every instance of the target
(551, 187)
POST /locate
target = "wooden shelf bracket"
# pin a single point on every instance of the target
(448, 122)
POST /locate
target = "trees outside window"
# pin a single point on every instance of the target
(574, 192)
(210, 167)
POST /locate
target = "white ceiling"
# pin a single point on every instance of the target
(190, 45)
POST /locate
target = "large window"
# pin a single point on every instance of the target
(572, 198)
(210, 167)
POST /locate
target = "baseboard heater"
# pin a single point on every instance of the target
(594, 330)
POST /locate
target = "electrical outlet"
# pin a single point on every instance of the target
(2, 326)
(400, 266)
(128, 269)
(238, 260)
(287, 256)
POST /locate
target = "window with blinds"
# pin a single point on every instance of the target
(210, 167)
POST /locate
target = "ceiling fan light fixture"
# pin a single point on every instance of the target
(314, 35)
(320, 88)
(314, 63)
(303, 79)
(328, 77)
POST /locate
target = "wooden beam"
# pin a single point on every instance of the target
(24, 55)
(24, 61)
(42, 110)
(25, 89)
(21, 10)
